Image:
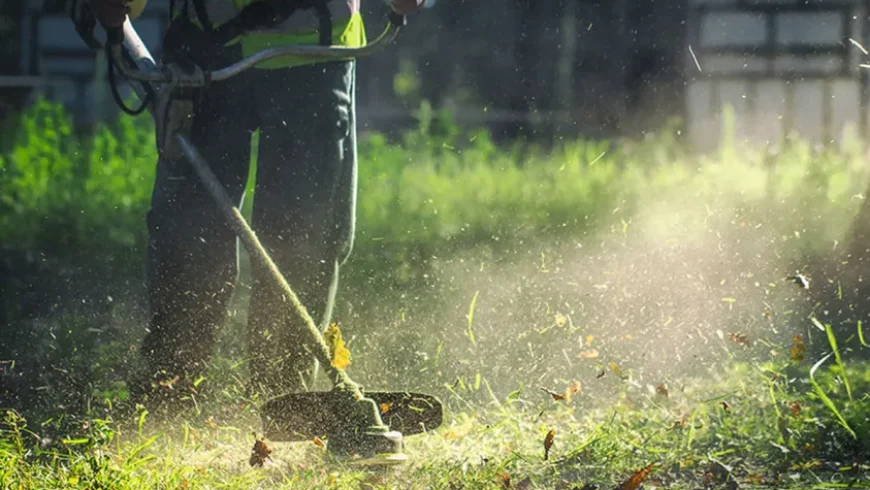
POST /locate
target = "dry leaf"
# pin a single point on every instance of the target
(570, 391)
(795, 407)
(662, 390)
(548, 443)
(588, 354)
(504, 479)
(615, 368)
(556, 396)
(260, 452)
(170, 383)
(636, 479)
(340, 354)
(739, 338)
(319, 442)
(798, 349)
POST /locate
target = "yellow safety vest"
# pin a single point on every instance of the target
(348, 29)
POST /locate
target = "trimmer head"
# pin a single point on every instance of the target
(323, 414)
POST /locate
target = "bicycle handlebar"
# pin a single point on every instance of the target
(201, 78)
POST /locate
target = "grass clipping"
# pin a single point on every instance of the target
(340, 352)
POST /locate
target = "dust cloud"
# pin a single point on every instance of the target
(674, 290)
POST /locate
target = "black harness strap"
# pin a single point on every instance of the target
(325, 17)
(202, 15)
(113, 85)
(265, 14)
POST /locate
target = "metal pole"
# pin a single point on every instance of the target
(258, 253)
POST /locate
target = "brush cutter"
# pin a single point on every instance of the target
(369, 425)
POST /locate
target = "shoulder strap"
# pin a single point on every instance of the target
(270, 13)
(324, 15)
(202, 15)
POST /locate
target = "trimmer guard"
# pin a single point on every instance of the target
(303, 416)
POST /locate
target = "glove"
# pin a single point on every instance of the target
(405, 7)
(112, 14)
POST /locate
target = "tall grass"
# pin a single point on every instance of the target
(482, 274)
(75, 195)
(438, 189)
(442, 208)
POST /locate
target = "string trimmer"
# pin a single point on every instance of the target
(371, 425)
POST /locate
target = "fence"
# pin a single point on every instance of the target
(784, 66)
(555, 67)
(55, 63)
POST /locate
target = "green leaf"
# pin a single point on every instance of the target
(833, 341)
(471, 318)
(76, 442)
(827, 401)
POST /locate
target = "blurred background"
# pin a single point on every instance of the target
(521, 67)
(554, 181)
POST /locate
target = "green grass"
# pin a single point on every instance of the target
(483, 274)
(762, 439)
(437, 190)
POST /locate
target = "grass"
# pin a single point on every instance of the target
(654, 278)
(750, 426)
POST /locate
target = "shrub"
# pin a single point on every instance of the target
(77, 197)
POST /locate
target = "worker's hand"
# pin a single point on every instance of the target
(405, 7)
(111, 13)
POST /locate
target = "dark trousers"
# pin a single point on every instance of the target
(303, 213)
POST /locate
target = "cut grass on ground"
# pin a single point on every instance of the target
(751, 426)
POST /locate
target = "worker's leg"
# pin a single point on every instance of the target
(303, 213)
(192, 253)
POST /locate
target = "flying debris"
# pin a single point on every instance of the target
(548, 443)
(800, 279)
(260, 453)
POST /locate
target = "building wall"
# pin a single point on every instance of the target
(784, 66)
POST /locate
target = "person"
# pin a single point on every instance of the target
(305, 194)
